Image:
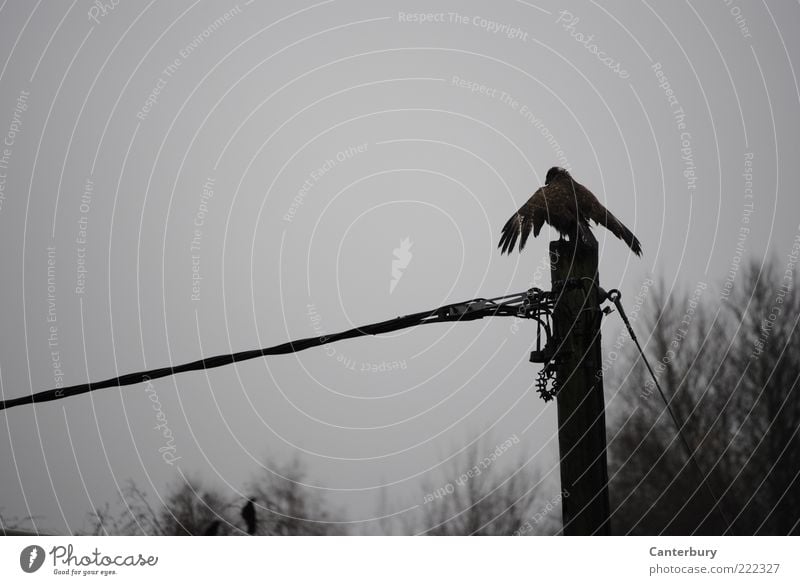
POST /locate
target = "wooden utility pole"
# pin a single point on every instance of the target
(580, 402)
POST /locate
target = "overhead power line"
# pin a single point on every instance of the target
(524, 305)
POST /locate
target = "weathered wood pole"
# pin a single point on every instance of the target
(580, 401)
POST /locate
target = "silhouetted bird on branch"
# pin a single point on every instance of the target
(249, 516)
(567, 206)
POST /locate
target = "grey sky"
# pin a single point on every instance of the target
(290, 149)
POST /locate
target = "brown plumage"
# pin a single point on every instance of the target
(567, 206)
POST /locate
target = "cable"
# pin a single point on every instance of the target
(513, 305)
(615, 296)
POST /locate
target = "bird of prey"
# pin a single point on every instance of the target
(567, 206)
(249, 516)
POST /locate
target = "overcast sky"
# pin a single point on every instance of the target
(206, 177)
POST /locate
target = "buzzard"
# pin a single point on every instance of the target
(249, 516)
(567, 206)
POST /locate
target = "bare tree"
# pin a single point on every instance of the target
(13, 525)
(282, 505)
(476, 498)
(286, 506)
(188, 509)
(730, 372)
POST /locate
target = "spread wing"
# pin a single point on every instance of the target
(530, 216)
(592, 209)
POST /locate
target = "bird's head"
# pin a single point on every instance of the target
(555, 172)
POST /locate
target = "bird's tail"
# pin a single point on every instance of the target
(617, 228)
